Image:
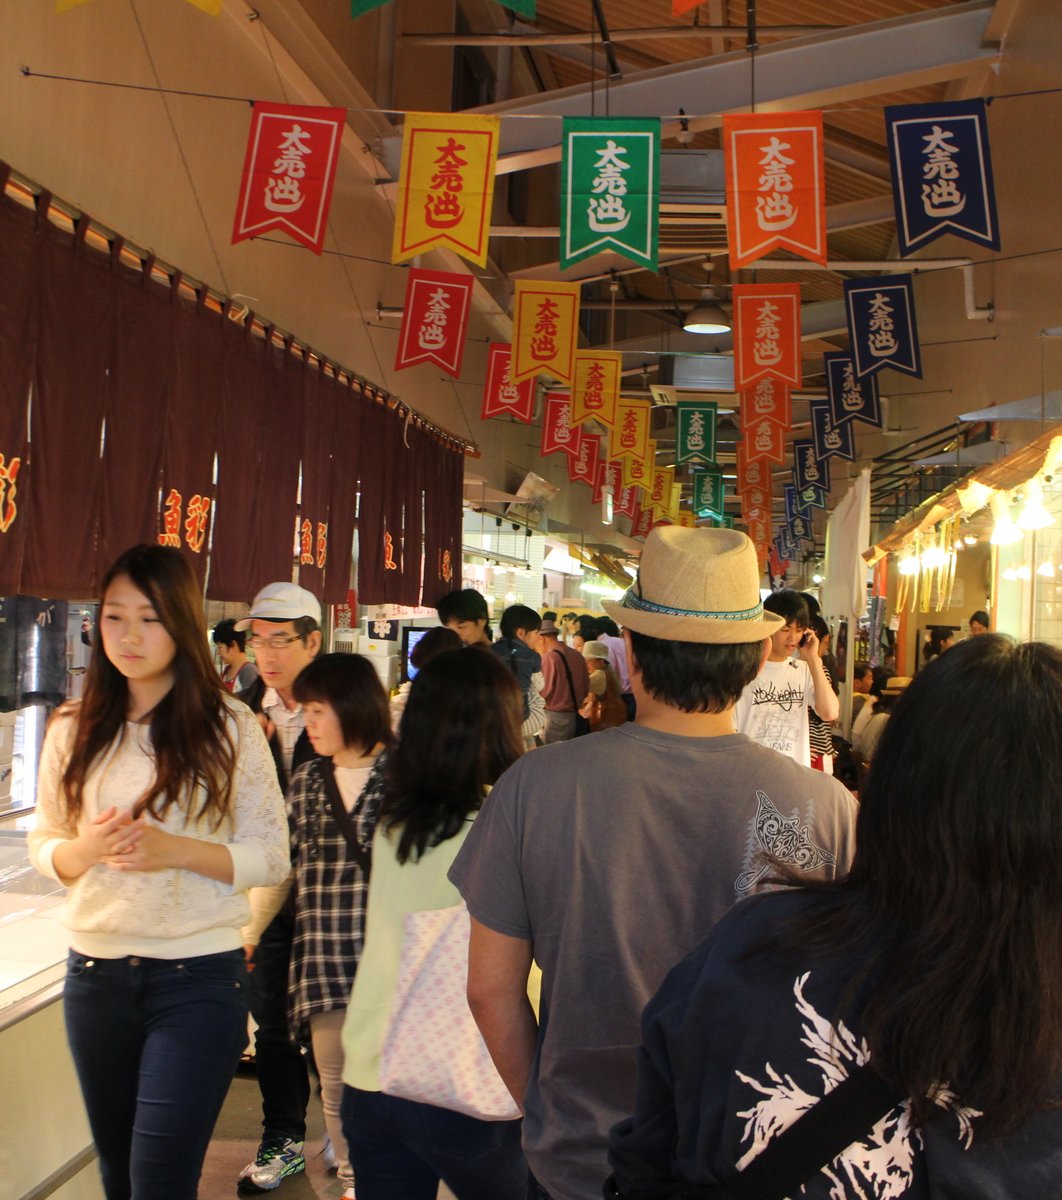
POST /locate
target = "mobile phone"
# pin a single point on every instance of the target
(804, 640)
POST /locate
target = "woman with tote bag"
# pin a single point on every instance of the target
(415, 1067)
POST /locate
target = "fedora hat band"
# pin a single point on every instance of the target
(632, 600)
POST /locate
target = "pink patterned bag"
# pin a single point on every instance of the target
(432, 1051)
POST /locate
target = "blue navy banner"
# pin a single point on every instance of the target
(789, 492)
(800, 530)
(851, 399)
(882, 326)
(830, 438)
(941, 173)
(808, 497)
(807, 469)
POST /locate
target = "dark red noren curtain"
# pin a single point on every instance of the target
(75, 352)
(259, 445)
(416, 458)
(372, 527)
(320, 399)
(442, 515)
(346, 468)
(20, 279)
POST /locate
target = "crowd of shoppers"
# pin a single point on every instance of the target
(724, 936)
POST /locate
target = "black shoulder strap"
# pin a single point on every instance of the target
(568, 672)
(342, 818)
(845, 1115)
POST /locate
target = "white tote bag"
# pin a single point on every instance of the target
(432, 1051)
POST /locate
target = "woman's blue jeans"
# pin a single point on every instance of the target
(156, 1043)
(400, 1150)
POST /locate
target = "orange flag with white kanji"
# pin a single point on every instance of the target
(545, 329)
(445, 185)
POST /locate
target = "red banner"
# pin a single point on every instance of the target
(775, 185)
(641, 522)
(756, 500)
(558, 433)
(502, 397)
(766, 333)
(434, 320)
(767, 400)
(582, 465)
(778, 565)
(759, 531)
(627, 501)
(751, 473)
(289, 172)
(608, 476)
(765, 439)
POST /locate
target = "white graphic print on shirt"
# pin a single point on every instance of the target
(773, 709)
(784, 839)
(881, 1167)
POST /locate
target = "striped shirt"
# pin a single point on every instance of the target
(288, 722)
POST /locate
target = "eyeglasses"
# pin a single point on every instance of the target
(279, 642)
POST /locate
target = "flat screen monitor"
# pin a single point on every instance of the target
(411, 634)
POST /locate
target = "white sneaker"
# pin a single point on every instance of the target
(277, 1159)
(328, 1156)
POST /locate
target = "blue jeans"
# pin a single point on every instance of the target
(400, 1150)
(156, 1043)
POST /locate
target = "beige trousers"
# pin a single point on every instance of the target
(326, 1035)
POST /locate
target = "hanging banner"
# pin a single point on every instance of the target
(607, 479)
(810, 497)
(941, 173)
(828, 437)
(582, 465)
(807, 469)
(523, 8)
(545, 329)
(759, 531)
(756, 500)
(502, 397)
(629, 437)
(641, 522)
(658, 497)
(596, 386)
(765, 439)
(289, 171)
(766, 333)
(851, 399)
(434, 320)
(627, 501)
(767, 400)
(695, 425)
(882, 329)
(557, 431)
(575, 451)
(212, 8)
(610, 188)
(751, 473)
(446, 185)
(638, 471)
(708, 493)
(775, 185)
(359, 7)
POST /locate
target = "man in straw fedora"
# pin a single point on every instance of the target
(609, 858)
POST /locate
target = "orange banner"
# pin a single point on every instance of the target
(545, 329)
(775, 185)
(765, 439)
(756, 500)
(596, 386)
(767, 400)
(751, 474)
(766, 333)
(446, 185)
(629, 437)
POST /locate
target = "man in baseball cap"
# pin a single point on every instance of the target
(609, 858)
(284, 632)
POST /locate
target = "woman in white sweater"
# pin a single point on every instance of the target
(158, 807)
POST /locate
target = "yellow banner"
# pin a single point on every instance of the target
(675, 509)
(661, 484)
(211, 7)
(595, 389)
(687, 520)
(629, 437)
(446, 185)
(545, 329)
(639, 471)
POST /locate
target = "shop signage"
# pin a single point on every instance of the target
(502, 397)
(629, 437)
(358, 7)
(850, 398)
(627, 501)
(708, 493)
(596, 386)
(289, 171)
(610, 188)
(775, 190)
(764, 439)
(582, 466)
(766, 400)
(882, 328)
(434, 320)
(446, 185)
(695, 437)
(660, 485)
(184, 524)
(941, 173)
(828, 437)
(545, 329)
(807, 469)
(557, 431)
(766, 333)
(8, 491)
(637, 470)
(642, 522)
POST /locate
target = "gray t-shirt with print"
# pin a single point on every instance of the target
(615, 854)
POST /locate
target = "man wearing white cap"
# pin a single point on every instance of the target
(284, 630)
(608, 859)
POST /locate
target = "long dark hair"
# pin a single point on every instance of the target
(953, 896)
(460, 730)
(188, 728)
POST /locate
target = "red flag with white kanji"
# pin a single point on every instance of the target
(502, 397)
(434, 320)
(766, 400)
(289, 172)
(766, 333)
(765, 439)
(558, 432)
(608, 477)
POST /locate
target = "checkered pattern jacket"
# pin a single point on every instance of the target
(331, 892)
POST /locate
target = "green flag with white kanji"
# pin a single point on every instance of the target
(695, 423)
(358, 7)
(524, 8)
(708, 494)
(610, 188)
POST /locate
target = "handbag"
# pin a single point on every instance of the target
(828, 1128)
(582, 725)
(432, 1051)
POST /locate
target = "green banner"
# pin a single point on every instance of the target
(708, 494)
(523, 8)
(360, 7)
(696, 431)
(610, 188)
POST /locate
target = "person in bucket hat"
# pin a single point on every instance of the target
(608, 858)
